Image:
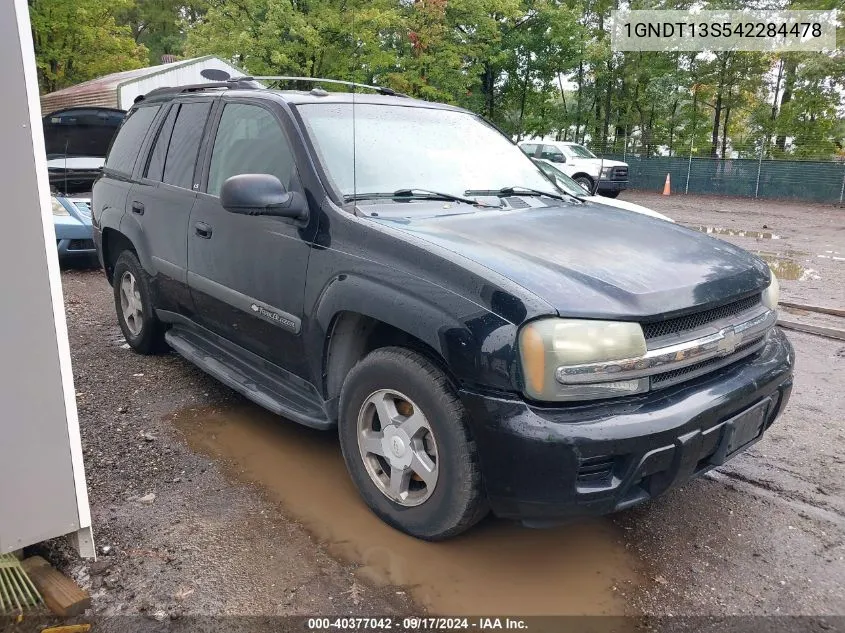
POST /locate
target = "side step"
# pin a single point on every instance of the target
(264, 383)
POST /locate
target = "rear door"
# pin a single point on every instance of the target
(110, 193)
(247, 273)
(163, 196)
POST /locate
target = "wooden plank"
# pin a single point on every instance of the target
(811, 308)
(829, 332)
(60, 593)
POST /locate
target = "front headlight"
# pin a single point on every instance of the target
(58, 208)
(605, 172)
(548, 347)
(771, 295)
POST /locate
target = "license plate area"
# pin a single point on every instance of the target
(741, 430)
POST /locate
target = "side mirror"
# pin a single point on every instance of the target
(559, 158)
(262, 194)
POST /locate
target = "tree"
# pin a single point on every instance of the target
(160, 24)
(78, 40)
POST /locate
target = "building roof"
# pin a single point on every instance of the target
(103, 91)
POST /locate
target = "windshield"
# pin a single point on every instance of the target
(400, 148)
(563, 181)
(579, 151)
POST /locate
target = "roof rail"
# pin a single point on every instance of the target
(236, 83)
(379, 89)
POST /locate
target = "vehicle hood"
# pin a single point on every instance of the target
(79, 210)
(613, 264)
(84, 131)
(597, 162)
(627, 206)
(76, 163)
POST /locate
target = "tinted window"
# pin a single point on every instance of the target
(529, 148)
(128, 141)
(155, 166)
(249, 141)
(184, 144)
(550, 152)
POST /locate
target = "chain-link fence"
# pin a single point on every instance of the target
(817, 181)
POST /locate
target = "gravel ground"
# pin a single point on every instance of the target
(175, 537)
(189, 525)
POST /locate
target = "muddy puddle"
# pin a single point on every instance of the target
(719, 230)
(498, 567)
(784, 267)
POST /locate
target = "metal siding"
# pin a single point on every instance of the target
(104, 91)
(181, 76)
(104, 97)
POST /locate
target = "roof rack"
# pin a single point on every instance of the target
(236, 83)
(379, 89)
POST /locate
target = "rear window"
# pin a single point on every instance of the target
(129, 138)
(185, 143)
(155, 166)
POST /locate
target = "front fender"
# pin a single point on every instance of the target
(476, 344)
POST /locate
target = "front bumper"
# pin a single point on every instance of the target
(613, 185)
(73, 238)
(544, 464)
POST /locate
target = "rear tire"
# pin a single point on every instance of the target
(448, 497)
(134, 306)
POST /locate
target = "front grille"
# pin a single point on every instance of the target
(81, 245)
(595, 470)
(699, 319)
(687, 373)
(619, 173)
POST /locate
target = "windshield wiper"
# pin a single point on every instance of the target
(519, 190)
(414, 194)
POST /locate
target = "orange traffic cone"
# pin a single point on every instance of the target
(667, 187)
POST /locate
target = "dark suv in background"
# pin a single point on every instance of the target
(479, 339)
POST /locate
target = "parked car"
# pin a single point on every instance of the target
(581, 165)
(566, 184)
(76, 140)
(72, 222)
(478, 339)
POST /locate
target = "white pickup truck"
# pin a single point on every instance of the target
(580, 164)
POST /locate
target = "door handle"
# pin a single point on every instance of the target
(203, 230)
(138, 208)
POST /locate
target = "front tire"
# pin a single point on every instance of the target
(585, 181)
(134, 306)
(609, 194)
(405, 439)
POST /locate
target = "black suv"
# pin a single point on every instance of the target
(402, 272)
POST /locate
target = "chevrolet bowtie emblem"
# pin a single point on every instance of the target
(728, 343)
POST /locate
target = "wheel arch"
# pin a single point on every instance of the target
(353, 335)
(585, 175)
(113, 244)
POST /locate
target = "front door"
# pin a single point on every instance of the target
(247, 273)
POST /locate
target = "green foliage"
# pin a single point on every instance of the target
(78, 40)
(537, 68)
(160, 24)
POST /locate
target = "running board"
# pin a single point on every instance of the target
(262, 382)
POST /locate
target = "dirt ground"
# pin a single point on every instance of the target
(205, 505)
